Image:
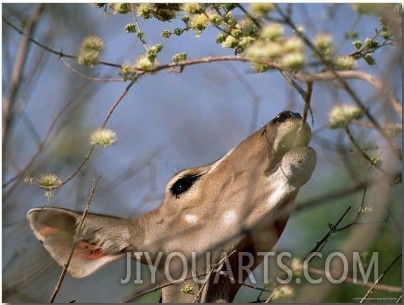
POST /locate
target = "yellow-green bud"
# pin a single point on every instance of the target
(179, 57)
(293, 45)
(261, 9)
(191, 8)
(246, 41)
(128, 70)
(230, 42)
(293, 61)
(49, 181)
(199, 22)
(369, 59)
(249, 27)
(90, 51)
(214, 18)
(342, 115)
(145, 10)
(144, 63)
(130, 28)
(272, 31)
(323, 43)
(345, 63)
(296, 266)
(30, 178)
(261, 50)
(357, 44)
(377, 162)
(121, 8)
(300, 29)
(188, 289)
(103, 137)
(283, 292)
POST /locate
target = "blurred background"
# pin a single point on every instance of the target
(169, 121)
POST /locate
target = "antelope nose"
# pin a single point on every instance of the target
(284, 115)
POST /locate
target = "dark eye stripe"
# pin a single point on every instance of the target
(183, 184)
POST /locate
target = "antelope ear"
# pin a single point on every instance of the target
(102, 239)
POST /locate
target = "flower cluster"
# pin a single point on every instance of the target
(103, 137)
(342, 115)
(90, 51)
(148, 60)
(272, 45)
(49, 181)
(253, 33)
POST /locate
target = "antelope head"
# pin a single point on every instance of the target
(232, 205)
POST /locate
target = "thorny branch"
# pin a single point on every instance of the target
(320, 244)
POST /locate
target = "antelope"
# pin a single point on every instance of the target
(233, 205)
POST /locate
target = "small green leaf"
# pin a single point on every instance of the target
(179, 57)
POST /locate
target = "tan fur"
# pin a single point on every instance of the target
(232, 206)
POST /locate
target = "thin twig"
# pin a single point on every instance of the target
(111, 110)
(240, 6)
(157, 68)
(329, 65)
(87, 156)
(75, 240)
(381, 277)
(356, 281)
(58, 53)
(293, 83)
(41, 145)
(355, 74)
(140, 37)
(91, 78)
(320, 244)
(272, 295)
(361, 152)
(355, 221)
(307, 101)
(213, 269)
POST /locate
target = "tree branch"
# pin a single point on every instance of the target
(75, 241)
(16, 75)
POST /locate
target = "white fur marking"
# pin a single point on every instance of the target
(229, 217)
(191, 218)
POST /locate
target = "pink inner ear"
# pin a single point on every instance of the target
(83, 250)
(88, 251)
(47, 231)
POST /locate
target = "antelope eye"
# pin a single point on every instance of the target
(183, 184)
(284, 115)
